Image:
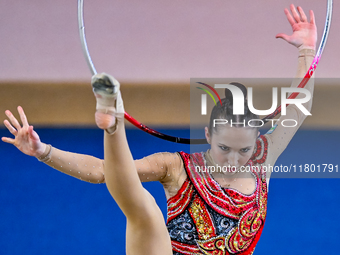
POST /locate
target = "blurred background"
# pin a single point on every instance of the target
(153, 48)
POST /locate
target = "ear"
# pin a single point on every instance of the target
(207, 135)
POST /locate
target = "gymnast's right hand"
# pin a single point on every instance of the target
(25, 138)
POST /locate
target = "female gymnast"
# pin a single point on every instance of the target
(220, 212)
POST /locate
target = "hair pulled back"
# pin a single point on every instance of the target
(225, 111)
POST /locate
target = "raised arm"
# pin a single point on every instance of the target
(304, 38)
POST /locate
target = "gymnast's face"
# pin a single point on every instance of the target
(232, 146)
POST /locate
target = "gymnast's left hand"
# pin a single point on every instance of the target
(304, 32)
(25, 138)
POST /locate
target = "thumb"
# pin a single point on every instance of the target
(33, 135)
(283, 36)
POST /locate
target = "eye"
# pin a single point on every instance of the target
(224, 148)
(245, 150)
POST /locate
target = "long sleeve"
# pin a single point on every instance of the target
(279, 136)
(164, 167)
(83, 167)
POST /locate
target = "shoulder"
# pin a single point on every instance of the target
(196, 158)
(163, 156)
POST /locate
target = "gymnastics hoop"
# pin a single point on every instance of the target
(155, 133)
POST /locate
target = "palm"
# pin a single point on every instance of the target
(25, 143)
(303, 34)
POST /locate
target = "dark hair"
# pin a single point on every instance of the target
(225, 111)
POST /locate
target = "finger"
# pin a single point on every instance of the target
(295, 14)
(23, 116)
(283, 36)
(302, 14)
(312, 17)
(13, 120)
(8, 140)
(10, 128)
(32, 133)
(291, 20)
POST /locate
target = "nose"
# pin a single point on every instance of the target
(233, 159)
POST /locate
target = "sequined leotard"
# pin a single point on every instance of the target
(204, 218)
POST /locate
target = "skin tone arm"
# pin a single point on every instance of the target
(27, 141)
(304, 37)
(157, 167)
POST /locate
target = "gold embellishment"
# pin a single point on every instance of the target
(216, 245)
(263, 202)
(203, 228)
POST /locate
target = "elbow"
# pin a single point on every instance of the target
(297, 114)
(96, 178)
(101, 180)
(302, 115)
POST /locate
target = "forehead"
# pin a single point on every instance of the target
(235, 136)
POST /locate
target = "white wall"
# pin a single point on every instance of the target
(149, 40)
